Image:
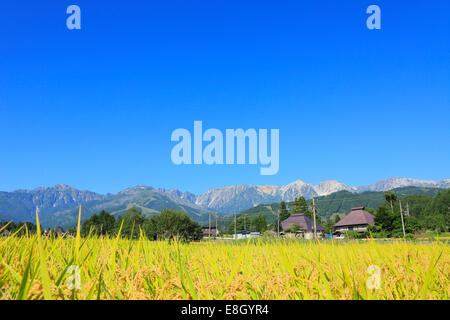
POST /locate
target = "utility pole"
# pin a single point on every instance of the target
(407, 209)
(209, 231)
(215, 235)
(401, 214)
(314, 215)
(235, 226)
(278, 222)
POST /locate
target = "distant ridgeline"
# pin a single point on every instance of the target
(339, 202)
(58, 205)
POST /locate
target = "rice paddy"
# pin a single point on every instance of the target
(33, 267)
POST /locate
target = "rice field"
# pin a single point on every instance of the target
(33, 267)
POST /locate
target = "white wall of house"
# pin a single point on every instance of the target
(358, 228)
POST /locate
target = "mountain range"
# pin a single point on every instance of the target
(232, 199)
(339, 202)
(58, 205)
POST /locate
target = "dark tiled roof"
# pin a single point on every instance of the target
(301, 220)
(357, 216)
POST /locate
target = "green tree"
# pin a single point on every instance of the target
(384, 219)
(107, 222)
(337, 218)
(438, 211)
(284, 213)
(301, 206)
(259, 223)
(172, 223)
(390, 197)
(388, 220)
(90, 225)
(239, 225)
(132, 220)
(328, 225)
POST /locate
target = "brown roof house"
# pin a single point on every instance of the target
(306, 225)
(205, 232)
(357, 220)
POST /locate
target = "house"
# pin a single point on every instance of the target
(305, 224)
(5, 233)
(357, 220)
(59, 231)
(244, 234)
(205, 232)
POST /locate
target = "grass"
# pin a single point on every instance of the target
(116, 268)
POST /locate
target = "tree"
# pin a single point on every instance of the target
(131, 221)
(172, 223)
(19, 227)
(90, 225)
(259, 223)
(384, 219)
(389, 222)
(239, 225)
(390, 197)
(437, 211)
(337, 218)
(284, 213)
(301, 206)
(107, 222)
(328, 225)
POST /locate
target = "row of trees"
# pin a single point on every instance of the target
(165, 225)
(424, 213)
(19, 227)
(257, 223)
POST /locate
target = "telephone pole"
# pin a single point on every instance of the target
(401, 214)
(235, 226)
(215, 234)
(209, 231)
(407, 209)
(278, 223)
(314, 215)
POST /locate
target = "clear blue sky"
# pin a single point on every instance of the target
(95, 108)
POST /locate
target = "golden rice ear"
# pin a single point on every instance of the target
(2, 228)
(43, 261)
(78, 236)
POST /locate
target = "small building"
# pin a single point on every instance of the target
(59, 231)
(245, 234)
(206, 234)
(5, 233)
(357, 220)
(305, 224)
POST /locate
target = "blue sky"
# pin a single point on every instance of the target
(94, 108)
